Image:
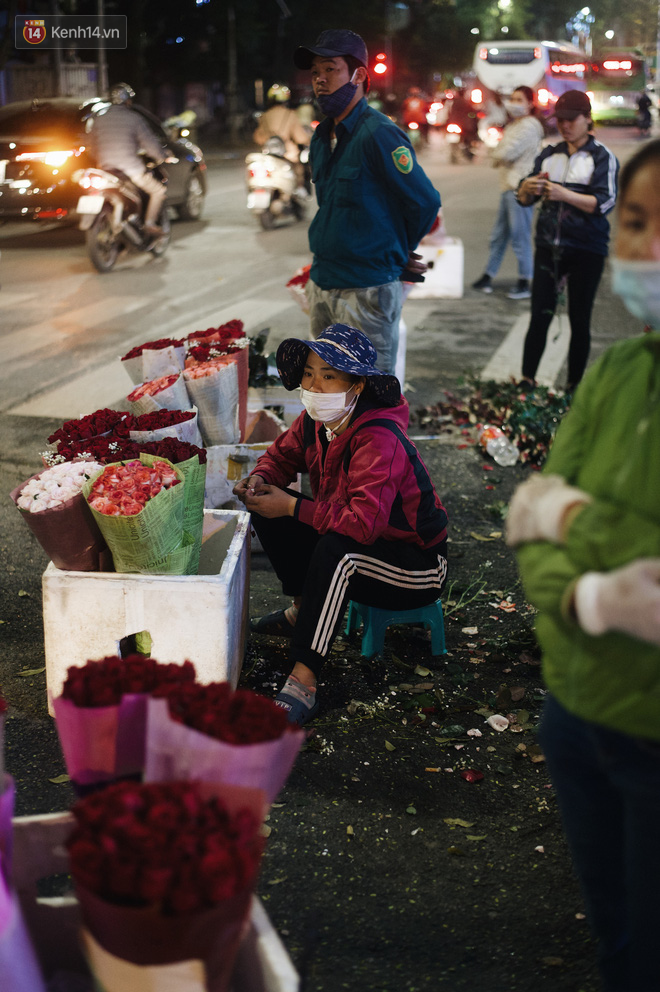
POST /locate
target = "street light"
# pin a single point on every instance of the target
(609, 35)
(474, 30)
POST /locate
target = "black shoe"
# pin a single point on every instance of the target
(272, 625)
(521, 292)
(484, 284)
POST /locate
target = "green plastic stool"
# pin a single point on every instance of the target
(376, 621)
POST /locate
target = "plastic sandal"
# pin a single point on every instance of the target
(296, 702)
(272, 625)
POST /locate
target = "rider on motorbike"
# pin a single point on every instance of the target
(120, 135)
(463, 113)
(282, 122)
(414, 110)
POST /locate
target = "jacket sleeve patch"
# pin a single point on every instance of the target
(403, 159)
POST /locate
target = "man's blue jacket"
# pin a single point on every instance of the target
(375, 201)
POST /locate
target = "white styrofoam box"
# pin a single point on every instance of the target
(269, 396)
(444, 276)
(262, 963)
(201, 617)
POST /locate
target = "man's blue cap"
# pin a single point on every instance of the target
(333, 44)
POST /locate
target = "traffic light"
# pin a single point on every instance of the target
(380, 65)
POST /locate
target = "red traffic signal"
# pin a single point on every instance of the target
(380, 65)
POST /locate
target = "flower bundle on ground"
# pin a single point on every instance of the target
(529, 418)
(238, 717)
(297, 287)
(55, 486)
(154, 359)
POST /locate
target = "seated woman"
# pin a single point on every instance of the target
(374, 529)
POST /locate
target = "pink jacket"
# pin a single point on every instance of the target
(373, 484)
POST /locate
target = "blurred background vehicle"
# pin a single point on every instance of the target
(43, 142)
(547, 67)
(617, 81)
(273, 190)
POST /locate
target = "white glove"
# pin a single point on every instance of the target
(626, 600)
(537, 511)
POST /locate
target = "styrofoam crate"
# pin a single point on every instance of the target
(444, 276)
(262, 963)
(201, 617)
(275, 396)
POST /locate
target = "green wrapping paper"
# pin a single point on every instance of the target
(153, 541)
(193, 507)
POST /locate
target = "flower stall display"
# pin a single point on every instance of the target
(165, 393)
(213, 388)
(154, 359)
(155, 426)
(164, 874)
(54, 508)
(139, 508)
(216, 734)
(218, 342)
(101, 716)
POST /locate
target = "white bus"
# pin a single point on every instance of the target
(548, 67)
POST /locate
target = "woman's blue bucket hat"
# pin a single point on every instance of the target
(344, 348)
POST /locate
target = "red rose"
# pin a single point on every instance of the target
(104, 682)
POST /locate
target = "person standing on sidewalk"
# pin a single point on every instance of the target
(375, 201)
(514, 155)
(587, 532)
(576, 181)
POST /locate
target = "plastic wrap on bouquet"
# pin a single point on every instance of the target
(153, 541)
(19, 970)
(102, 743)
(68, 534)
(172, 397)
(7, 796)
(216, 398)
(176, 752)
(297, 286)
(187, 431)
(153, 363)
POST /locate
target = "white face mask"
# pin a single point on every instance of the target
(327, 407)
(515, 109)
(638, 285)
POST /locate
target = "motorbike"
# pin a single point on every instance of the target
(272, 185)
(460, 143)
(111, 212)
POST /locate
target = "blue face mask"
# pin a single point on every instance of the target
(334, 104)
(638, 285)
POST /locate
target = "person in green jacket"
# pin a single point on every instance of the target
(588, 537)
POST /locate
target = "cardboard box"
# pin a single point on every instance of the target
(262, 964)
(201, 617)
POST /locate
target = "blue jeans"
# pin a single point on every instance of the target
(513, 223)
(608, 787)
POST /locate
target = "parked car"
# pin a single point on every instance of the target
(43, 142)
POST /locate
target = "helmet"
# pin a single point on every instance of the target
(279, 93)
(122, 93)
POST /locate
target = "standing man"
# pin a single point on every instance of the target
(375, 202)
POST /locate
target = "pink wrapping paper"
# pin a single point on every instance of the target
(6, 812)
(19, 971)
(174, 751)
(102, 743)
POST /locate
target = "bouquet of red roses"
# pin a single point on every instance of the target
(101, 715)
(155, 426)
(54, 508)
(297, 287)
(213, 733)
(139, 507)
(213, 388)
(164, 875)
(93, 425)
(154, 359)
(225, 335)
(167, 392)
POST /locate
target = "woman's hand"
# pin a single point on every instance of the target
(248, 486)
(269, 501)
